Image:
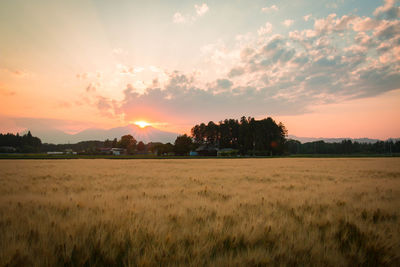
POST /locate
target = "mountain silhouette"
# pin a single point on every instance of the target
(147, 134)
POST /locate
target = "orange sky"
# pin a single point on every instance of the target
(377, 117)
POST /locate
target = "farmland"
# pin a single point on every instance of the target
(277, 211)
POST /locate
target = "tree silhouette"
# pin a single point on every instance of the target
(128, 142)
(114, 143)
(183, 145)
(141, 146)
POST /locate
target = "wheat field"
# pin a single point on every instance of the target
(192, 212)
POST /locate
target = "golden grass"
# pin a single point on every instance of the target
(324, 212)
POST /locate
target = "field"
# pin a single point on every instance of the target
(319, 212)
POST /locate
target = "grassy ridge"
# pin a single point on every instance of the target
(329, 212)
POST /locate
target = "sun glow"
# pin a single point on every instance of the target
(142, 124)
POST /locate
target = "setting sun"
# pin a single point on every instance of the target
(142, 124)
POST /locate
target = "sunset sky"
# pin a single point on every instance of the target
(323, 68)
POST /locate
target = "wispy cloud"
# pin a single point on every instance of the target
(269, 9)
(265, 29)
(179, 18)
(201, 9)
(288, 22)
(17, 73)
(307, 17)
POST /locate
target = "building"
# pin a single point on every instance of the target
(193, 153)
(118, 151)
(207, 150)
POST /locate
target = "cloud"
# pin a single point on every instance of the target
(387, 30)
(186, 100)
(266, 29)
(288, 22)
(333, 24)
(179, 18)
(269, 9)
(224, 83)
(92, 87)
(129, 70)
(365, 24)
(389, 10)
(201, 9)
(307, 17)
(17, 73)
(235, 72)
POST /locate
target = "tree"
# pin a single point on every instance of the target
(141, 146)
(212, 133)
(168, 148)
(293, 146)
(108, 143)
(183, 145)
(114, 143)
(162, 149)
(128, 142)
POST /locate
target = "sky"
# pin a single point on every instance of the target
(322, 68)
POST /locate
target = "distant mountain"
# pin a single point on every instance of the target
(147, 134)
(334, 140)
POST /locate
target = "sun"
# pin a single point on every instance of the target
(142, 124)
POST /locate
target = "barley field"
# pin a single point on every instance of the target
(196, 212)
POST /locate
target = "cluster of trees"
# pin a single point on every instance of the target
(344, 147)
(16, 143)
(249, 136)
(128, 142)
(132, 146)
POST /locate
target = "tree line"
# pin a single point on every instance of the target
(17, 143)
(247, 136)
(343, 147)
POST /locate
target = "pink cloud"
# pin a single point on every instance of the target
(365, 24)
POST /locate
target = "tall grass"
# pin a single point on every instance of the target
(324, 212)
